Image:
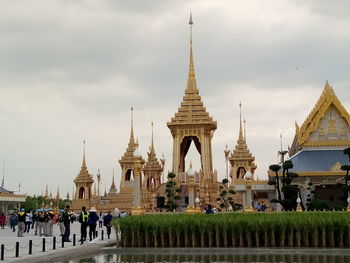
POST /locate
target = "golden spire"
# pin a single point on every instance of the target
(83, 166)
(191, 81)
(152, 152)
(46, 191)
(240, 138)
(58, 193)
(132, 139)
(245, 135)
(95, 191)
(113, 184)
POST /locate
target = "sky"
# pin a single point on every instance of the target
(71, 70)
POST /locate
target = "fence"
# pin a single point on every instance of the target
(47, 243)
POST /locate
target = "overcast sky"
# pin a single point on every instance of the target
(70, 70)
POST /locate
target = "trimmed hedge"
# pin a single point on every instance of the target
(285, 229)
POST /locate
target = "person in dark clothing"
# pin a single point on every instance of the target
(107, 219)
(13, 221)
(21, 222)
(66, 221)
(83, 220)
(209, 210)
(34, 218)
(92, 219)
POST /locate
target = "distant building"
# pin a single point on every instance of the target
(9, 200)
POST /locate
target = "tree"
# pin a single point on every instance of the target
(226, 200)
(345, 187)
(172, 193)
(290, 191)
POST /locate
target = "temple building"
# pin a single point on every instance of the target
(317, 151)
(192, 123)
(9, 200)
(317, 155)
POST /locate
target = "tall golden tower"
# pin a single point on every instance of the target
(241, 159)
(83, 182)
(152, 170)
(192, 123)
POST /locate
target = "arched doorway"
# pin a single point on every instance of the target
(185, 146)
(128, 175)
(81, 193)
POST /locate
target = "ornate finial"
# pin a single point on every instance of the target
(58, 193)
(3, 173)
(191, 81)
(47, 191)
(281, 142)
(132, 140)
(240, 138)
(83, 166)
(245, 135)
(113, 184)
(152, 144)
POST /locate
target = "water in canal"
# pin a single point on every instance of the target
(194, 256)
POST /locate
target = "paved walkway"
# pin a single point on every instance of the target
(9, 239)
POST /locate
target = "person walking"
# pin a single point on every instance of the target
(66, 222)
(40, 222)
(34, 217)
(60, 222)
(50, 217)
(107, 219)
(92, 220)
(83, 220)
(2, 220)
(13, 221)
(28, 222)
(100, 220)
(21, 222)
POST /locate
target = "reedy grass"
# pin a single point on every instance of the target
(284, 229)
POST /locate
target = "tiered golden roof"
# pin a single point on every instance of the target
(132, 145)
(152, 164)
(113, 189)
(241, 152)
(84, 176)
(192, 110)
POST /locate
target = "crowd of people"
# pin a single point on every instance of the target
(41, 222)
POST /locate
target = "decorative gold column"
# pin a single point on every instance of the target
(137, 206)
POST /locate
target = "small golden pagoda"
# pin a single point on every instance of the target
(241, 159)
(153, 169)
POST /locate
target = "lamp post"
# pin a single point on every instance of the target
(248, 187)
(191, 209)
(226, 152)
(198, 209)
(299, 209)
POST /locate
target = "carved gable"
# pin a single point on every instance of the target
(332, 127)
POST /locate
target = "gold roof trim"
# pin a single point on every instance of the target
(311, 123)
